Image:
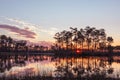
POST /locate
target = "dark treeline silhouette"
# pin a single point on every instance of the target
(87, 40)
(8, 44)
(81, 40)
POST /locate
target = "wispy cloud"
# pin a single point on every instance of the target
(41, 32)
(21, 32)
(22, 24)
(31, 26)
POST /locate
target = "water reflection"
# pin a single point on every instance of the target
(74, 67)
(83, 67)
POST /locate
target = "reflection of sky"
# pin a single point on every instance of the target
(52, 16)
(47, 67)
(116, 67)
(38, 68)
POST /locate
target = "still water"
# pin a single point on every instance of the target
(50, 66)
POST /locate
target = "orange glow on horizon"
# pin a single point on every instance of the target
(78, 51)
(116, 43)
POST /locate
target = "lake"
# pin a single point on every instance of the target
(50, 66)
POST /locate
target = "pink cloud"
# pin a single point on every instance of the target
(41, 43)
(45, 43)
(23, 32)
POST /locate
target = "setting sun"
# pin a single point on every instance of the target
(59, 39)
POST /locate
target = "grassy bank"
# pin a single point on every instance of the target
(61, 78)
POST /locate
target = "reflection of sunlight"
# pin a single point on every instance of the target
(19, 71)
(47, 67)
(37, 68)
(116, 72)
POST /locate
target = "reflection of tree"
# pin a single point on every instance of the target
(110, 60)
(83, 68)
(7, 62)
(64, 70)
(5, 65)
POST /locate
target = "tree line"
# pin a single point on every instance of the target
(89, 38)
(8, 44)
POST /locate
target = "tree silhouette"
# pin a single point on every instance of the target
(10, 43)
(110, 40)
(3, 42)
(89, 37)
(110, 48)
(59, 39)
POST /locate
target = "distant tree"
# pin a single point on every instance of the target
(21, 44)
(110, 48)
(67, 38)
(95, 38)
(82, 37)
(37, 47)
(75, 36)
(10, 43)
(88, 32)
(110, 40)
(58, 39)
(3, 42)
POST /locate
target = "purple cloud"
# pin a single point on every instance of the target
(23, 32)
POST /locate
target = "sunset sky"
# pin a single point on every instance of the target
(39, 20)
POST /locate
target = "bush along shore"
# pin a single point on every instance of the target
(93, 77)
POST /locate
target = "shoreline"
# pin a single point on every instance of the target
(59, 54)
